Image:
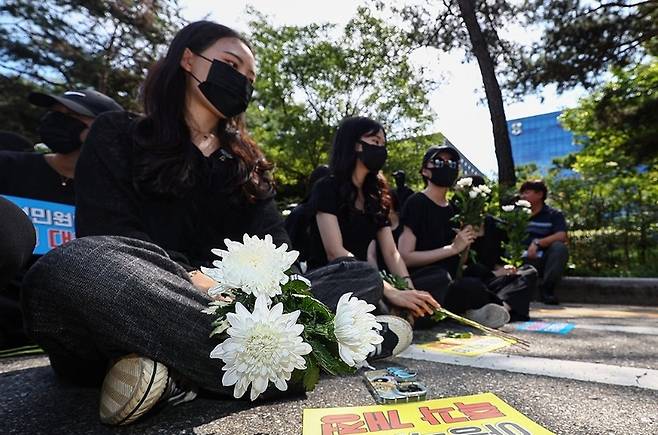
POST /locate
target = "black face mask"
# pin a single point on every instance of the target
(60, 132)
(444, 177)
(225, 88)
(372, 156)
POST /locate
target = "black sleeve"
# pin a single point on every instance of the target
(412, 214)
(559, 222)
(268, 220)
(324, 197)
(106, 202)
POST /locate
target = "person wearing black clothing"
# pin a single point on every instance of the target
(63, 129)
(155, 193)
(430, 244)
(513, 286)
(352, 207)
(17, 241)
(402, 191)
(300, 220)
(10, 141)
(547, 239)
(47, 177)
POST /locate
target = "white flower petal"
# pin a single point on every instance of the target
(355, 329)
(263, 346)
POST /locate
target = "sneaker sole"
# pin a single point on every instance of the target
(131, 388)
(402, 329)
(491, 315)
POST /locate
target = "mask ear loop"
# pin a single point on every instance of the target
(202, 57)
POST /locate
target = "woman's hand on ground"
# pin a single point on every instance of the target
(419, 302)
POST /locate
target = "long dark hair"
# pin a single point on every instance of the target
(377, 201)
(166, 162)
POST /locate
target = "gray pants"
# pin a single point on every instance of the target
(99, 298)
(551, 267)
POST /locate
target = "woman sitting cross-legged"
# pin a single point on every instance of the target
(155, 193)
(352, 206)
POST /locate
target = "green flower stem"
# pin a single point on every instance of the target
(442, 313)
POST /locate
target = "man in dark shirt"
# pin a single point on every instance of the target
(47, 177)
(547, 238)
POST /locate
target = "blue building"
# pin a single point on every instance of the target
(539, 139)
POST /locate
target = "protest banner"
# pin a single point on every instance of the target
(54, 223)
(480, 414)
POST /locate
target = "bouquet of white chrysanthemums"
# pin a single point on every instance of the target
(471, 204)
(272, 329)
(515, 219)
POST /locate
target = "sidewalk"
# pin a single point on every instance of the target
(34, 402)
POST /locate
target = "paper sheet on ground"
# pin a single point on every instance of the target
(473, 346)
(480, 414)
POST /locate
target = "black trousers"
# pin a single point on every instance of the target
(98, 298)
(17, 241)
(551, 267)
(458, 296)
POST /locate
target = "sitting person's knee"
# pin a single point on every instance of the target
(559, 247)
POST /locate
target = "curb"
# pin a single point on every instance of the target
(620, 291)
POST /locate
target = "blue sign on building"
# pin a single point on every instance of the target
(539, 139)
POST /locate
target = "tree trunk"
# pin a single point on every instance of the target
(506, 175)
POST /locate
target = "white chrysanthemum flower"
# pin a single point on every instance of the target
(486, 189)
(508, 208)
(473, 193)
(356, 330)
(465, 182)
(255, 266)
(523, 203)
(611, 164)
(528, 211)
(264, 346)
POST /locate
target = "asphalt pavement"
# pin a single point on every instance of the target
(600, 378)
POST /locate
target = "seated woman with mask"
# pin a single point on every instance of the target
(352, 206)
(155, 193)
(430, 245)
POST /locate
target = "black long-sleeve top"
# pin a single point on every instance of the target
(187, 227)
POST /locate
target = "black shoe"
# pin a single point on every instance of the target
(549, 299)
(397, 335)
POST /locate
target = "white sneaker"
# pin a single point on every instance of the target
(133, 386)
(397, 335)
(491, 315)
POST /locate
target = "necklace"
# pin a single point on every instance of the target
(64, 180)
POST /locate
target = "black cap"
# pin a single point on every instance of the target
(85, 102)
(436, 149)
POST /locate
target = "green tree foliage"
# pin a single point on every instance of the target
(622, 115)
(612, 203)
(474, 27)
(59, 44)
(311, 77)
(582, 39)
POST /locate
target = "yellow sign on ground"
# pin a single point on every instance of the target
(473, 346)
(480, 414)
